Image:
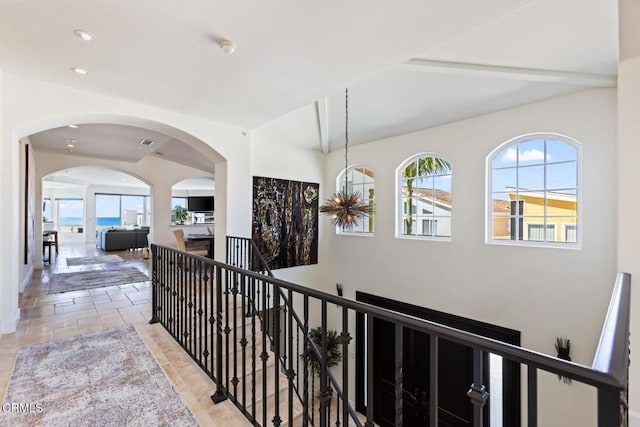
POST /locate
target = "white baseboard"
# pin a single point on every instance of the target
(26, 279)
(634, 419)
(10, 326)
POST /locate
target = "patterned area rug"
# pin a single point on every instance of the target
(68, 282)
(88, 260)
(108, 378)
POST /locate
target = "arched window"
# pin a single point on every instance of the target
(424, 197)
(533, 191)
(360, 180)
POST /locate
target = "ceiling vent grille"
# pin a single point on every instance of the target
(145, 142)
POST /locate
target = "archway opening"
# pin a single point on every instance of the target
(79, 203)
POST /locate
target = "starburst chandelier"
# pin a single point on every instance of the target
(345, 209)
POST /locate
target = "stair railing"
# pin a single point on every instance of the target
(243, 252)
(202, 303)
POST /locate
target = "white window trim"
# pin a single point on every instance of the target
(399, 207)
(489, 193)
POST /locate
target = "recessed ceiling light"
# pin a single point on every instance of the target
(69, 145)
(84, 35)
(79, 70)
(145, 142)
(73, 126)
(228, 46)
(70, 140)
(70, 150)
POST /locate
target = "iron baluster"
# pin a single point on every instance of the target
(434, 403)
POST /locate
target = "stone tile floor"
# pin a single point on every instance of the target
(49, 316)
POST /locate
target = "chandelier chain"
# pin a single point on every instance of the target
(346, 136)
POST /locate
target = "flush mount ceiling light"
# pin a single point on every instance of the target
(79, 70)
(84, 35)
(345, 209)
(228, 46)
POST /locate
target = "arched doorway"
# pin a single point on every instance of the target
(16, 270)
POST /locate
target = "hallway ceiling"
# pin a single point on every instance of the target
(409, 65)
(118, 142)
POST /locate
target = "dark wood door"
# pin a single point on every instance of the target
(455, 373)
(455, 377)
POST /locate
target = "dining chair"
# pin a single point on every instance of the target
(182, 245)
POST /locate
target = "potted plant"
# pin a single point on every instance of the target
(333, 349)
(180, 214)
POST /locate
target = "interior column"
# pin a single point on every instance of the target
(628, 151)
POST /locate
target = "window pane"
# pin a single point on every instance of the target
(107, 210)
(178, 201)
(409, 225)
(410, 170)
(501, 227)
(132, 209)
(361, 181)
(536, 230)
(504, 179)
(570, 233)
(531, 152)
(442, 183)
(426, 199)
(531, 178)
(442, 226)
(46, 209)
(71, 212)
(558, 151)
(562, 175)
(506, 157)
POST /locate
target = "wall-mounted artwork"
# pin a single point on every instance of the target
(285, 221)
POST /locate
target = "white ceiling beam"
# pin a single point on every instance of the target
(322, 108)
(514, 73)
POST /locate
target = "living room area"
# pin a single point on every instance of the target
(81, 202)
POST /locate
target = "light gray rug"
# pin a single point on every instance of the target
(108, 378)
(76, 281)
(88, 260)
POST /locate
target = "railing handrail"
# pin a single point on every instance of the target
(260, 257)
(596, 375)
(612, 354)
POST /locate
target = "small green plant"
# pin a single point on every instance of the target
(180, 214)
(333, 349)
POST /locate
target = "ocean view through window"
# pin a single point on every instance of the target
(117, 210)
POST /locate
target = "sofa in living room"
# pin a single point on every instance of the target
(123, 238)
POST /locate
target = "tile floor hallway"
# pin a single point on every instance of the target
(49, 316)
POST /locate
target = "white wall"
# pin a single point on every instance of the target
(544, 293)
(30, 106)
(274, 159)
(628, 205)
(9, 217)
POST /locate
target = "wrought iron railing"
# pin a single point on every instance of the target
(243, 252)
(233, 323)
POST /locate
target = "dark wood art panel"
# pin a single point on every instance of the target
(285, 221)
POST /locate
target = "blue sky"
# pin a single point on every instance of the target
(530, 156)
